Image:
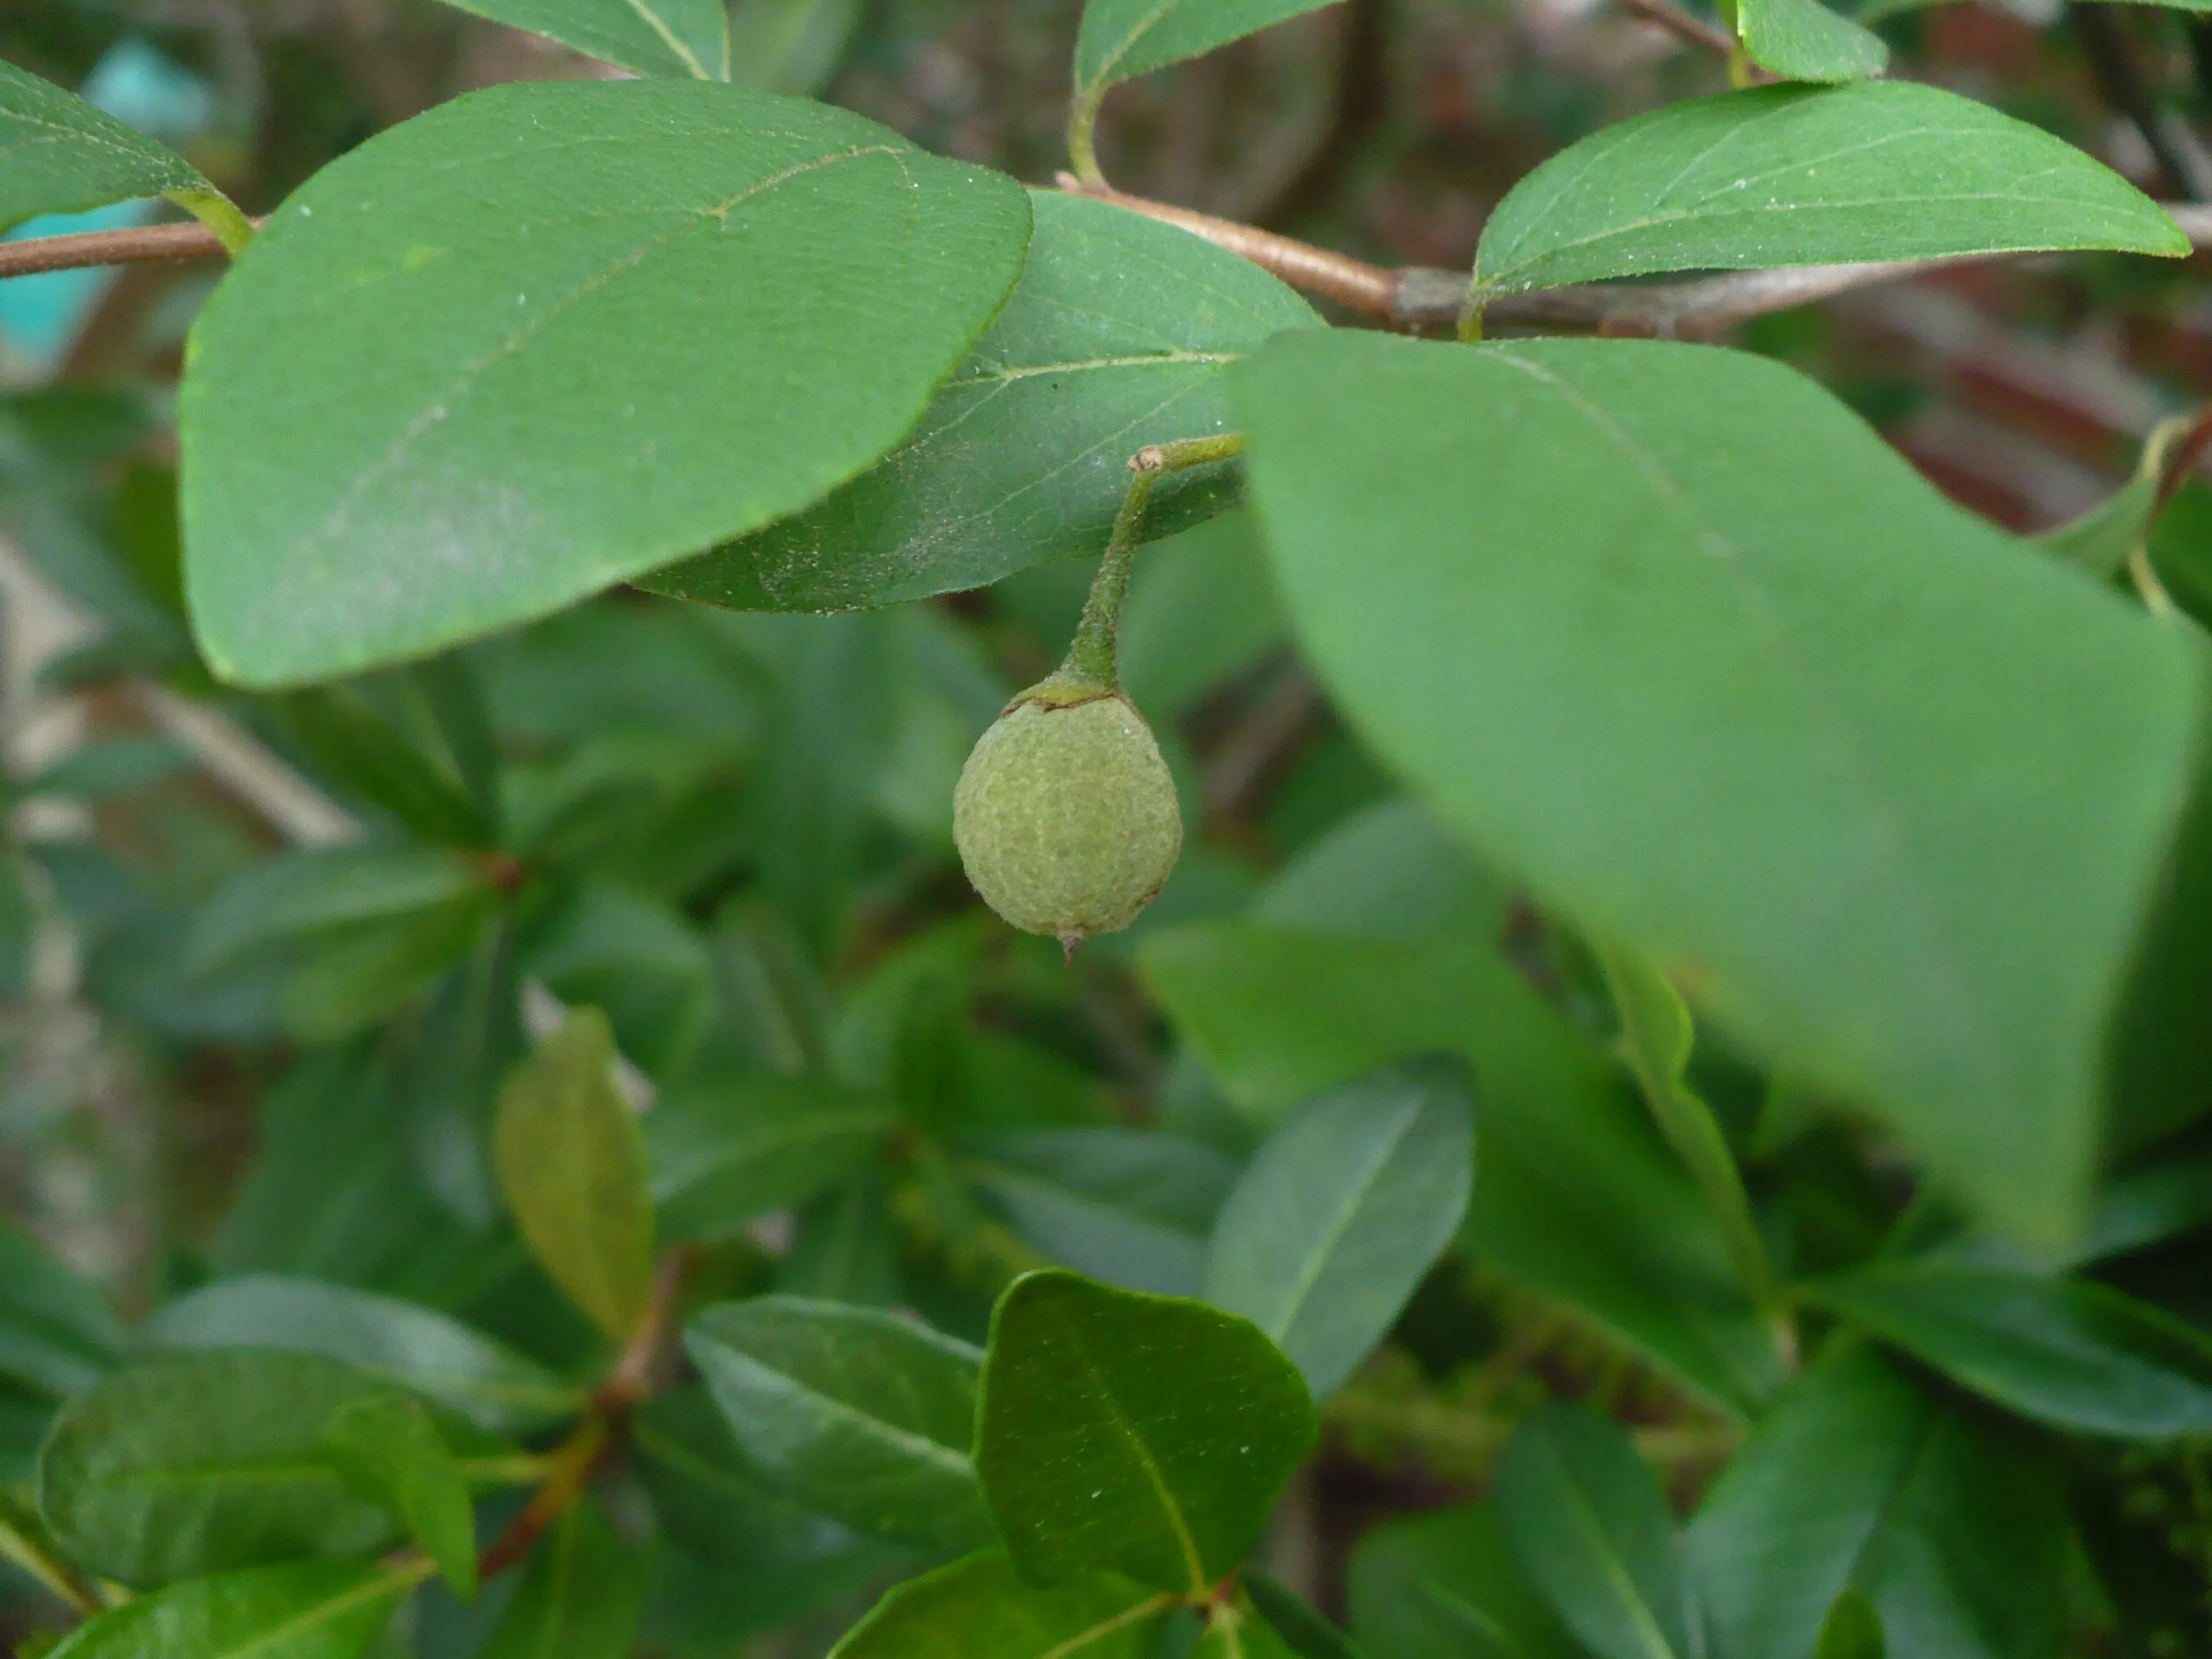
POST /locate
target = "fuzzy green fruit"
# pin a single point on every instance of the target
(1065, 815)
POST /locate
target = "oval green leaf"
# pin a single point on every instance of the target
(678, 38)
(1124, 39)
(1344, 1210)
(1804, 41)
(723, 1155)
(60, 155)
(1446, 1586)
(1808, 176)
(2072, 1353)
(474, 371)
(980, 1607)
(1103, 1431)
(389, 1448)
(402, 1342)
(1886, 792)
(314, 1610)
(862, 1415)
(1116, 338)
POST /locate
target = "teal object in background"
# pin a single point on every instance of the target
(40, 316)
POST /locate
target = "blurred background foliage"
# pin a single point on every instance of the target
(266, 958)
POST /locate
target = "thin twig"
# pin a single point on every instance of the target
(630, 1381)
(1695, 31)
(148, 244)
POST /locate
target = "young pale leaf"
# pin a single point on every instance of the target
(388, 1448)
(2072, 1353)
(678, 38)
(980, 1608)
(1446, 1586)
(1590, 1528)
(573, 1168)
(1852, 1630)
(856, 1414)
(581, 1596)
(1124, 39)
(1131, 1207)
(60, 155)
(1576, 1196)
(278, 901)
(1888, 790)
(1952, 1524)
(58, 1333)
(311, 1610)
(1116, 338)
(1137, 1434)
(197, 1463)
(1808, 176)
(472, 372)
(726, 1155)
(1804, 41)
(1344, 1208)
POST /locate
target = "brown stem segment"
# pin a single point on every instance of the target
(148, 244)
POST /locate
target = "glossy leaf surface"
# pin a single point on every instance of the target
(1116, 338)
(1138, 1434)
(477, 416)
(1343, 1210)
(980, 1608)
(1793, 175)
(1749, 695)
(856, 1414)
(573, 1168)
(313, 1610)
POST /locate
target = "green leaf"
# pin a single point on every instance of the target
(1201, 609)
(791, 46)
(673, 38)
(60, 155)
(58, 1333)
(402, 1342)
(1951, 1524)
(196, 1463)
(1447, 1586)
(581, 1597)
(728, 1153)
(1129, 1207)
(2072, 1353)
(856, 1414)
(1304, 1631)
(589, 379)
(1659, 1037)
(1852, 1630)
(1744, 693)
(2170, 1195)
(1116, 338)
(1590, 1528)
(1575, 1195)
(316, 1610)
(277, 902)
(980, 1608)
(1804, 41)
(845, 1247)
(1390, 872)
(1343, 1212)
(386, 1446)
(1101, 1433)
(572, 1165)
(1124, 39)
(380, 759)
(1232, 1633)
(353, 977)
(1808, 176)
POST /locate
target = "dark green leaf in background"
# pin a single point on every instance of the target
(1116, 338)
(1804, 41)
(1886, 792)
(580, 1597)
(315, 1610)
(277, 903)
(386, 1446)
(1448, 1586)
(1852, 1630)
(409, 419)
(58, 1333)
(1131, 1207)
(675, 38)
(1138, 1434)
(1302, 1629)
(1808, 176)
(573, 1168)
(2075, 1354)
(845, 1246)
(856, 1414)
(1124, 39)
(1953, 1525)
(1344, 1210)
(980, 1608)
(60, 155)
(366, 746)
(196, 1463)
(724, 1153)
(1590, 1528)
